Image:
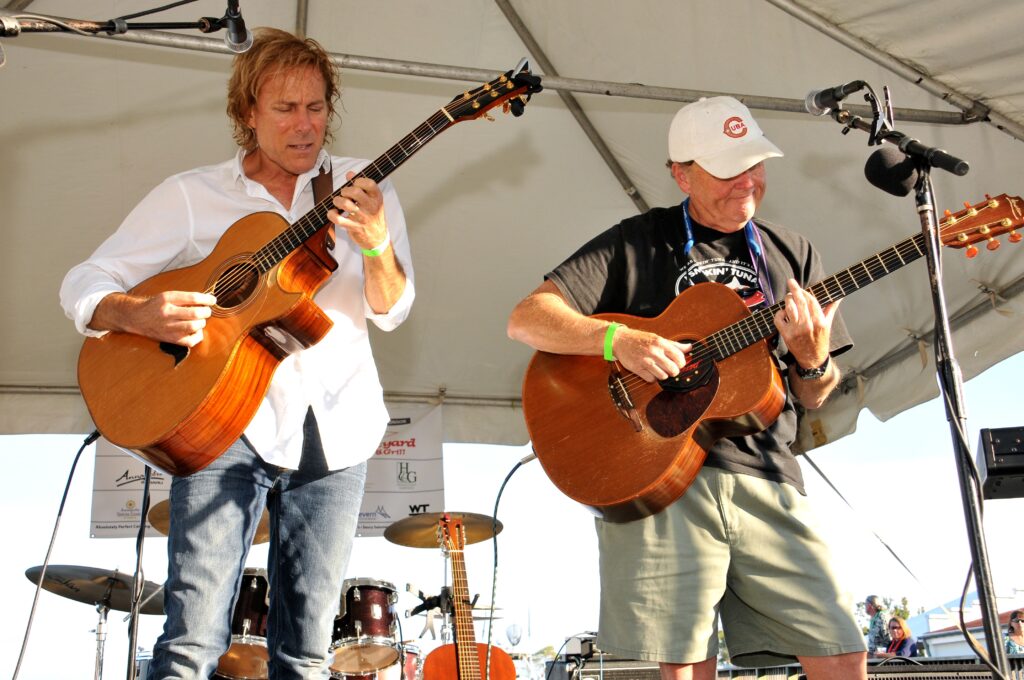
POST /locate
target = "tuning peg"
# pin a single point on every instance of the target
(971, 252)
(993, 244)
(1015, 237)
(971, 210)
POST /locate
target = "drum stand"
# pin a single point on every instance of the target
(101, 629)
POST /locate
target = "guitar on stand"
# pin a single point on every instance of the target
(465, 658)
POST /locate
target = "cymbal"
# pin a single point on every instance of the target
(160, 519)
(97, 586)
(420, 531)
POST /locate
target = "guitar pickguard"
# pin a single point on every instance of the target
(674, 411)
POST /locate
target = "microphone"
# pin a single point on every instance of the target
(892, 171)
(238, 38)
(820, 102)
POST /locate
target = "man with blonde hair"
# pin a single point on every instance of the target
(303, 455)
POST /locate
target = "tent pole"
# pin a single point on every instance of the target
(476, 75)
(301, 17)
(537, 52)
(974, 110)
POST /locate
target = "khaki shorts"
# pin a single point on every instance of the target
(736, 546)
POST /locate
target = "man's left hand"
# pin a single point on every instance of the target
(805, 326)
(360, 212)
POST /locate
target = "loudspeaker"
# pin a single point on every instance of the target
(932, 671)
(602, 666)
(1001, 462)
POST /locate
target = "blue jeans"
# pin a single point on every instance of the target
(214, 516)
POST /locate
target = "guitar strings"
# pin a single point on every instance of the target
(760, 325)
(282, 245)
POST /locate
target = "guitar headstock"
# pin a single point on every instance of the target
(451, 534)
(512, 89)
(983, 221)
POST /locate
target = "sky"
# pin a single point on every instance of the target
(899, 476)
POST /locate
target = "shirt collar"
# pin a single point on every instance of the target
(323, 161)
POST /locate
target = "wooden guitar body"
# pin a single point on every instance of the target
(626, 463)
(628, 449)
(443, 663)
(180, 408)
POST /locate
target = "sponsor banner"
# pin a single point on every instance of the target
(117, 486)
(404, 477)
(406, 474)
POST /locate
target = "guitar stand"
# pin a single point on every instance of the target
(951, 390)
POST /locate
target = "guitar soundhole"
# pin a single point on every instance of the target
(236, 285)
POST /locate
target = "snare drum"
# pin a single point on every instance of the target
(247, 657)
(364, 631)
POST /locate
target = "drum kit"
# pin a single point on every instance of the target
(365, 644)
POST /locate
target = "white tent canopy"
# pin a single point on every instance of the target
(91, 124)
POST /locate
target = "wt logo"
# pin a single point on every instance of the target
(417, 509)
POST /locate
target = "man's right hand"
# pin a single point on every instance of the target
(649, 355)
(175, 316)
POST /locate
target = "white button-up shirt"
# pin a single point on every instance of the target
(180, 222)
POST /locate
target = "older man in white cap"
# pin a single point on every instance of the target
(738, 547)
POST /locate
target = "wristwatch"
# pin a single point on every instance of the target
(813, 373)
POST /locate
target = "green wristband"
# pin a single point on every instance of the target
(379, 250)
(609, 336)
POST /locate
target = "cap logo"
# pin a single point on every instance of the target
(735, 127)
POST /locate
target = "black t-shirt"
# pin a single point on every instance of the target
(638, 267)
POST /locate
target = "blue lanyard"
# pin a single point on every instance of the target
(754, 245)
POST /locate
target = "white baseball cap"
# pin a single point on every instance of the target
(720, 135)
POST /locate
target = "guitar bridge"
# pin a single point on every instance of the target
(619, 392)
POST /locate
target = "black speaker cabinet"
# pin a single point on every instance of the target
(1001, 462)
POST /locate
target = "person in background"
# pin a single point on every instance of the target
(878, 628)
(1014, 633)
(901, 642)
(303, 456)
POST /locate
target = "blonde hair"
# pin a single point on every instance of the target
(274, 51)
(902, 624)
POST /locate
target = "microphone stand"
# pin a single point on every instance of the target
(14, 25)
(947, 368)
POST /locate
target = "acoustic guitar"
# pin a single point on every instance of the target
(180, 408)
(627, 449)
(464, 659)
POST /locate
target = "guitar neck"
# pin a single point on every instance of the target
(316, 219)
(465, 639)
(761, 324)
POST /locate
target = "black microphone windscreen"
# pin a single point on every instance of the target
(891, 170)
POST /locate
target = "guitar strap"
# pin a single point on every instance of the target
(323, 186)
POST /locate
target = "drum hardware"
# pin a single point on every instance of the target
(104, 589)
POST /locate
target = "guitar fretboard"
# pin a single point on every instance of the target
(760, 324)
(465, 638)
(267, 257)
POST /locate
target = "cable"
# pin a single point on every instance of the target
(53, 537)
(494, 571)
(147, 12)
